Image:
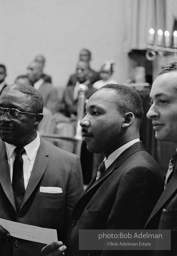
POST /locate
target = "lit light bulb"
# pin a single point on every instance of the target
(167, 38)
(159, 37)
(175, 39)
(151, 36)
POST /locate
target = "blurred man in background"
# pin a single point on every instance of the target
(49, 93)
(3, 74)
(41, 59)
(93, 76)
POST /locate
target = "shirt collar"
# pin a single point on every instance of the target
(38, 84)
(2, 85)
(30, 148)
(112, 157)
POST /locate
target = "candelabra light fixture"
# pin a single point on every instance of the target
(160, 43)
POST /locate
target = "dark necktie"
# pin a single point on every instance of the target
(101, 170)
(18, 180)
(170, 170)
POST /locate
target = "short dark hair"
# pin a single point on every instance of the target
(4, 67)
(169, 68)
(130, 99)
(34, 95)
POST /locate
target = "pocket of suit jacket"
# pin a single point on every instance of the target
(51, 190)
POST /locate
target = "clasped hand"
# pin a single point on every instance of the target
(54, 249)
(4, 235)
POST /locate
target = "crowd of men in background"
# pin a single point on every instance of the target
(127, 192)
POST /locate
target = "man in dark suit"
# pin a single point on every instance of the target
(41, 59)
(93, 76)
(71, 93)
(123, 196)
(51, 180)
(49, 92)
(3, 74)
(163, 113)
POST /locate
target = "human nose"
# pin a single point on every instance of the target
(84, 122)
(152, 112)
(5, 116)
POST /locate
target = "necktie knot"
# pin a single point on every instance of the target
(170, 170)
(102, 167)
(173, 159)
(101, 170)
(19, 151)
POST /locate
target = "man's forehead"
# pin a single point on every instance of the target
(101, 96)
(165, 83)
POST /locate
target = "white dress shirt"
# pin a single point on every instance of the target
(112, 157)
(38, 84)
(28, 158)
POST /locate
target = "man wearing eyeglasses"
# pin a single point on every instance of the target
(39, 183)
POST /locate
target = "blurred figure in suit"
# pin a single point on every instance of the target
(71, 93)
(93, 76)
(49, 92)
(3, 74)
(41, 59)
(106, 73)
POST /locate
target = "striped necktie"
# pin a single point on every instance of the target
(101, 170)
(170, 170)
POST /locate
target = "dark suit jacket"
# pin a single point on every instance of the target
(166, 211)
(69, 104)
(93, 77)
(47, 78)
(50, 96)
(53, 167)
(122, 198)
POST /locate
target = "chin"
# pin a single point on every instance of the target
(162, 138)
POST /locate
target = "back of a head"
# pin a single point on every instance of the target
(36, 101)
(40, 58)
(85, 55)
(128, 100)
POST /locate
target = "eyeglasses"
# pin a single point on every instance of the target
(14, 113)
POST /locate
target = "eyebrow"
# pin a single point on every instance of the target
(159, 95)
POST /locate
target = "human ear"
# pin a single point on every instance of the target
(128, 119)
(38, 119)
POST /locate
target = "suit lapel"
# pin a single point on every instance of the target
(5, 175)
(116, 164)
(167, 193)
(95, 184)
(38, 171)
